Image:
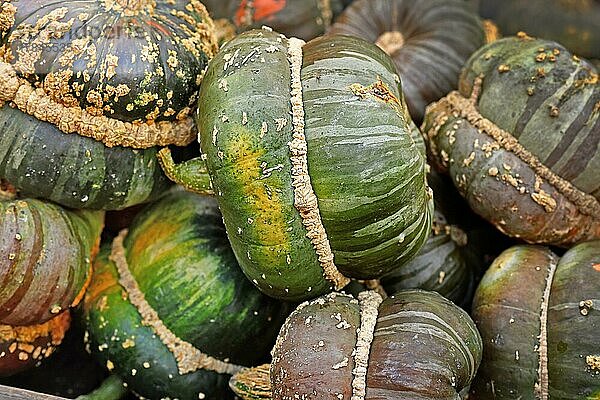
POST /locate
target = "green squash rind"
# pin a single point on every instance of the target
(245, 144)
(179, 255)
(505, 188)
(72, 170)
(507, 314)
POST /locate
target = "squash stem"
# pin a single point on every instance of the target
(253, 383)
(111, 389)
(191, 174)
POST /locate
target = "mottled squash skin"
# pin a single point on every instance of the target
(424, 347)
(354, 113)
(555, 316)
(521, 140)
(180, 258)
(89, 89)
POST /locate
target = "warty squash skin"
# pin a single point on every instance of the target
(541, 338)
(90, 89)
(315, 181)
(520, 140)
(429, 42)
(413, 345)
(170, 311)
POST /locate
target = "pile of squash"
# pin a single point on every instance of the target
(300, 199)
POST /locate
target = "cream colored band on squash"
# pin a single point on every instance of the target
(36, 102)
(305, 199)
(541, 386)
(188, 357)
(369, 310)
(462, 107)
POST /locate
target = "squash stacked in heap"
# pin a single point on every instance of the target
(90, 88)
(520, 139)
(413, 345)
(169, 309)
(541, 338)
(45, 266)
(310, 156)
(305, 19)
(429, 42)
(574, 23)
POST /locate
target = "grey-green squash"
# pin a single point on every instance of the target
(539, 317)
(309, 153)
(520, 140)
(413, 345)
(574, 23)
(429, 42)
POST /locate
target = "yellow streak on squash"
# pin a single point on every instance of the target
(263, 203)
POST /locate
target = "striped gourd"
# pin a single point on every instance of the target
(521, 140)
(45, 267)
(310, 156)
(574, 23)
(414, 345)
(460, 248)
(170, 311)
(90, 89)
(429, 42)
(541, 338)
(305, 19)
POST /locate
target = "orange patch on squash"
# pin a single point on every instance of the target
(263, 10)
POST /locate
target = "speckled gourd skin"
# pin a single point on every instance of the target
(574, 23)
(73, 170)
(305, 19)
(546, 99)
(247, 90)
(424, 347)
(439, 36)
(46, 255)
(179, 255)
(138, 66)
(507, 314)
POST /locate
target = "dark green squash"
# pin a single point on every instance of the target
(539, 317)
(413, 345)
(91, 88)
(171, 291)
(310, 155)
(521, 140)
(429, 42)
(574, 23)
(305, 19)
(460, 248)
